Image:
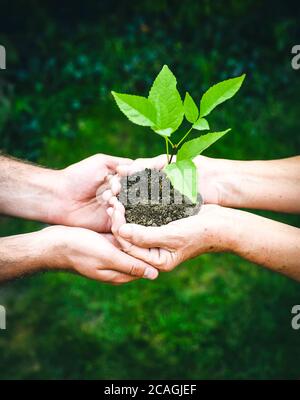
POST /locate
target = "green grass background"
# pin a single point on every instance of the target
(217, 316)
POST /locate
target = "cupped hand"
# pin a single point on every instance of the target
(167, 246)
(209, 170)
(80, 189)
(93, 255)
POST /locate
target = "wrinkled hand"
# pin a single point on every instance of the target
(93, 255)
(167, 246)
(80, 189)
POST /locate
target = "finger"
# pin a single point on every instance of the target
(113, 201)
(127, 264)
(101, 190)
(151, 256)
(115, 185)
(137, 165)
(117, 220)
(117, 214)
(112, 162)
(149, 236)
(113, 277)
(107, 195)
(112, 239)
(122, 262)
(159, 258)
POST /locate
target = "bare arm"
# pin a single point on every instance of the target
(79, 250)
(267, 185)
(266, 242)
(215, 229)
(28, 191)
(68, 196)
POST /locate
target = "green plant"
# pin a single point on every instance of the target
(163, 111)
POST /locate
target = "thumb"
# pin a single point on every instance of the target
(145, 236)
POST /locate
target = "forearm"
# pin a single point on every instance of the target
(29, 191)
(24, 254)
(265, 242)
(269, 185)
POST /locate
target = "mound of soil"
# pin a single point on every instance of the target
(150, 199)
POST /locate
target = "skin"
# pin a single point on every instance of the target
(70, 197)
(218, 228)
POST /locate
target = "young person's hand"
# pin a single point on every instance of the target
(90, 254)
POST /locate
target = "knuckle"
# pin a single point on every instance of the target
(136, 270)
(127, 247)
(160, 261)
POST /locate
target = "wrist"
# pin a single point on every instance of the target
(222, 228)
(56, 249)
(218, 180)
(23, 254)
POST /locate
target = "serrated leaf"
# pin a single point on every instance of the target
(190, 109)
(201, 124)
(219, 93)
(167, 101)
(137, 109)
(194, 147)
(183, 176)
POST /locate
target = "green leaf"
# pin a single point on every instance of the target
(183, 176)
(137, 109)
(190, 109)
(219, 93)
(201, 124)
(167, 101)
(194, 147)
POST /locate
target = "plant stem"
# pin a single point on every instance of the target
(174, 148)
(167, 148)
(184, 137)
(170, 141)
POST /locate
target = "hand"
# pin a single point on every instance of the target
(80, 187)
(209, 183)
(130, 168)
(167, 246)
(93, 255)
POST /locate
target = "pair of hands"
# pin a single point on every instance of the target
(82, 239)
(167, 246)
(81, 201)
(216, 228)
(88, 204)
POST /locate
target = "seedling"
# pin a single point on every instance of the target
(163, 111)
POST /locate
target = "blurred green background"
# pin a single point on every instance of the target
(213, 317)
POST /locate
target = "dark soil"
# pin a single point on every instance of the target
(150, 199)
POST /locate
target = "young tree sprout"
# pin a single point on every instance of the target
(163, 111)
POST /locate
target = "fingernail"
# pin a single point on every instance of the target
(150, 273)
(125, 231)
